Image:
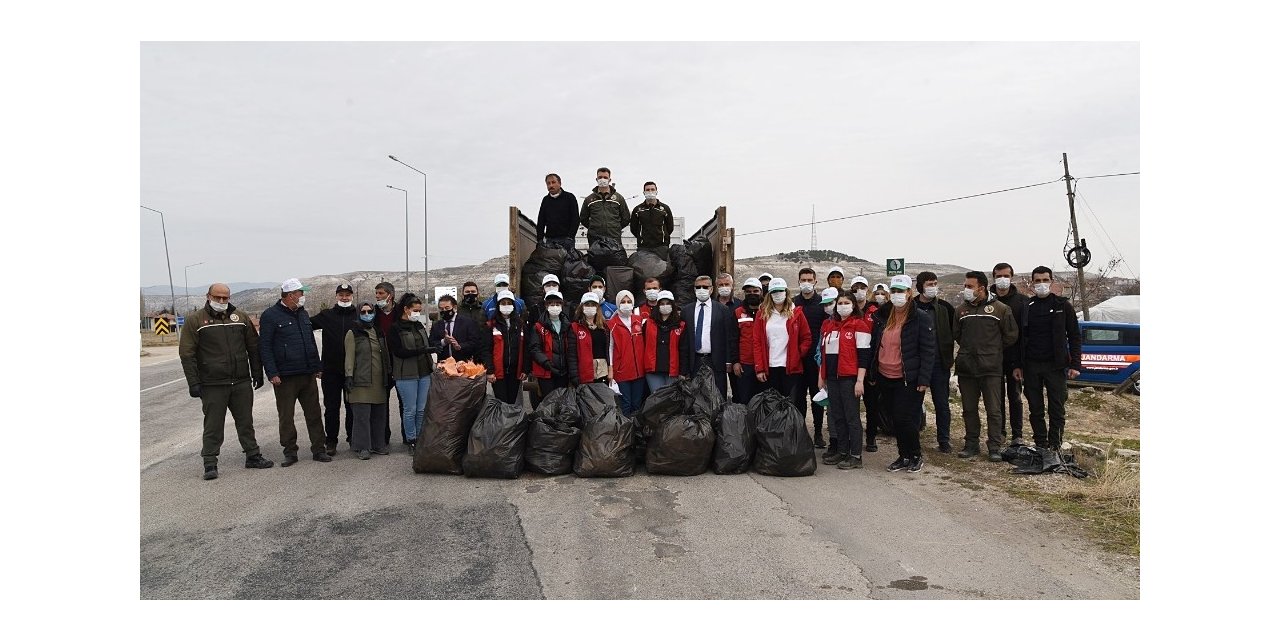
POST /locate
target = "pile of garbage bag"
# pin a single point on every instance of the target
(453, 403)
(647, 264)
(677, 425)
(606, 252)
(1030, 460)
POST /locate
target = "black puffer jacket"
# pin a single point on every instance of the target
(1016, 301)
(919, 344)
(334, 323)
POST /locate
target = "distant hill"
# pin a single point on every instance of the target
(236, 287)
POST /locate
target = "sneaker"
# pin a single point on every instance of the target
(321, 457)
(256, 461)
(899, 464)
(831, 457)
(331, 449)
(968, 452)
(363, 454)
(871, 446)
(382, 452)
(413, 445)
(290, 459)
(819, 443)
(915, 465)
(210, 471)
(944, 447)
(850, 462)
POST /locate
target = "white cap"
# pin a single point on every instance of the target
(751, 282)
(880, 287)
(857, 279)
(777, 284)
(293, 284)
(900, 282)
(766, 275)
(835, 270)
(666, 295)
(590, 296)
(506, 295)
(550, 277)
(502, 278)
(553, 294)
(830, 294)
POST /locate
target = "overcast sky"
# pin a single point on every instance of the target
(270, 160)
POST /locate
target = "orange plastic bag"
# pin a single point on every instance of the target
(464, 369)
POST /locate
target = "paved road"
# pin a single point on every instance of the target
(374, 529)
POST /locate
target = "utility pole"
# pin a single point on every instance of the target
(1075, 234)
(813, 229)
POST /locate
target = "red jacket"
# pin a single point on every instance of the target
(586, 349)
(497, 352)
(628, 348)
(854, 335)
(645, 310)
(746, 337)
(651, 330)
(799, 342)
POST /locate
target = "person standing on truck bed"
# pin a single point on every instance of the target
(652, 222)
(1050, 354)
(557, 215)
(604, 212)
(1008, 293)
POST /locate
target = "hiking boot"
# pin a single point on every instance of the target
(944, 447)
(915, 465)
(850, 462)
(899, 464)
(831, 457)
(256, 461)
(290, 459)
(210, 471)
(363, 454)
(382, 452)
(321, 456)
(969, 451)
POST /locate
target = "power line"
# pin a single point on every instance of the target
(1114, 247)
(1107, 175)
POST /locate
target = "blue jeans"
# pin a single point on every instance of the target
(632, 396)
(940, 390)
(657, 381)
(414, 394)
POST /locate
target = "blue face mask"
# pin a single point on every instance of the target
(366, 317)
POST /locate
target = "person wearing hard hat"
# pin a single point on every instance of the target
(505, 356)
(501, 282)
(782, 340)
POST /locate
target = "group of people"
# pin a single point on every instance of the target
(878, 348)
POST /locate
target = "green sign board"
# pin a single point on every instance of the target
(895, 266)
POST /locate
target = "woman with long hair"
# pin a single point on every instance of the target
(411, 362)
(591, 330)
(903, 347)
(367, 367)
(782, 339)
(662, 340)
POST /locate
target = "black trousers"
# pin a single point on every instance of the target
(1041, 379)
(748, 386)
(1013, 391)
(901, 404)
(781, 381)
(806, 389)
(334, 401)
(507, 389)
(875, 415)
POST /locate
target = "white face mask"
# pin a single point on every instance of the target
(415, 316)
(779, 297)
(1042, 289)
(1002, 282)
(551, 289)
(702, 295)
(724, 292)
(382, 304)
(554, 312)
(588, 312)
(829, 307)
(344, 305)
(844, 310)
(218, 306)
(499, 288)
(664, 309)
(602, 182)
(651, 294)
(860, 295)
(625, 308)
(806, 287)
(898, 299)
(969, 295)
(506, 309)
(599, 291)
(880, 299)
(651, 195)
(302, 300)
(930, 292)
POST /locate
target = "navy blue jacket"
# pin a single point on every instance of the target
(286, 342)
(464, 331)
(919, 344)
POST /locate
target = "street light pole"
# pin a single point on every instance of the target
(426, 250)
(173, 299)
(406, 235)
(185, 289)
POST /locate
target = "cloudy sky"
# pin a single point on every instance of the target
(270, 160)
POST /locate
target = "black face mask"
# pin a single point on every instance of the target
(753, 299)
(446, 315)
(470, 298)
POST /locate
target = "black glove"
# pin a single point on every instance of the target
(557, 371)
(195, 390)
(349, 384)
(258, 382)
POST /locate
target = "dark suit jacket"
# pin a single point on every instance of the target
(464, 331)
(724, 336)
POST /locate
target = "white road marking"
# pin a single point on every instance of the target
(162, 385)
(152, 364)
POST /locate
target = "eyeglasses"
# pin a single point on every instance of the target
(701, 286)
(220, 298)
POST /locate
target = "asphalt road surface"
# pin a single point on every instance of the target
(354, 529)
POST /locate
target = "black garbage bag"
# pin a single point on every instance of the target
(735, 442)
(606, 252)
(617, 279)
(607, 436)
(783, 444)
(703, 393)
(568, 244)
(1031, 460)
(495, 446)
(646, 264)
(677, 424)
(553, 433)
(572, 290)
(700, 250)
(531, 284)
(452, 406)
(684, 271)
(576, 269)
(545, 258)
